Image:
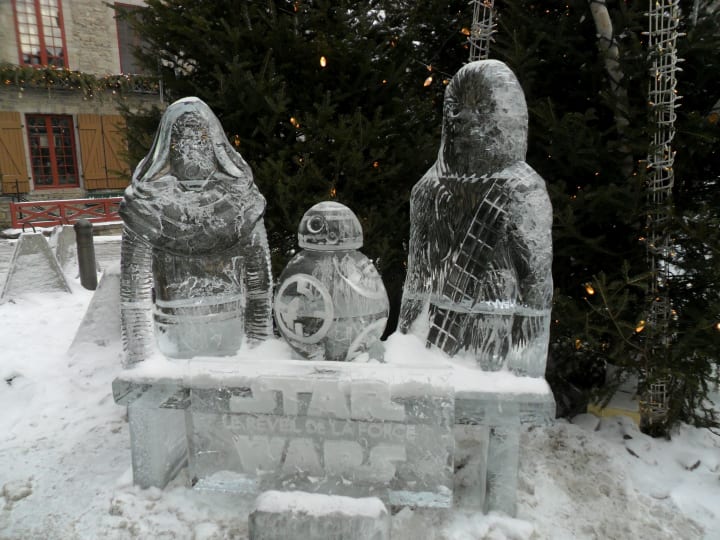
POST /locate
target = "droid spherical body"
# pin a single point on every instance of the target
(331, 303)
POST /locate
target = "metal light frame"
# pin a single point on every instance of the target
(482, 29)
(663, 20)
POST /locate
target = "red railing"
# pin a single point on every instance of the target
(64, 212)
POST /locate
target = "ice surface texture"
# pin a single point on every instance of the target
(62, 240)
(33, 268)
(479, 269)
(194, 234)
(342, 428)
(331, 303)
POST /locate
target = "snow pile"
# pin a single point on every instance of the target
(67, 474)
(585, 485)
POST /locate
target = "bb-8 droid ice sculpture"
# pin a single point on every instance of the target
(331, 303)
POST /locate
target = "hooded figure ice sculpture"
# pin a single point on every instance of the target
(479, 270)
(194, 234)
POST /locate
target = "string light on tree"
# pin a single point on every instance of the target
(429, 79)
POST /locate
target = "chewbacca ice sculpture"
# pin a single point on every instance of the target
(479, 277)
(194, 234)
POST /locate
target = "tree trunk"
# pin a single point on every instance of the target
(609, 48)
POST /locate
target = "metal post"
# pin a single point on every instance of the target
(86, 254)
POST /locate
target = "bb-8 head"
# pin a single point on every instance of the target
(330, 226)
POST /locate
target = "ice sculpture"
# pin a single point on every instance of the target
(331, 303)
(194, 243)
(479, 269)
(33, 268)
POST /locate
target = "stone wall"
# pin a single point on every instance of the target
(56, 194)
(8, 43)
(5, 220)
(90, 35)
(41, 101)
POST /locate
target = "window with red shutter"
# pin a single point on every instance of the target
(40, 32)
(52, 151)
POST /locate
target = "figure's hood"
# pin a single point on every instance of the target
(485, 120)
(156, 163)
(208, 215)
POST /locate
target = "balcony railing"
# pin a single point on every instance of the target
(64, 212)
(52, 78)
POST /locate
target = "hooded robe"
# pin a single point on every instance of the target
(194, 239)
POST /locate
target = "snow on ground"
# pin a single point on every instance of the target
(65, 468)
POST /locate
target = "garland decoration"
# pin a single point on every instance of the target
(52, 78)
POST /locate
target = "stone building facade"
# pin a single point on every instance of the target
(65, 65)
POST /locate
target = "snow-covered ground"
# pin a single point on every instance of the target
(65, 467)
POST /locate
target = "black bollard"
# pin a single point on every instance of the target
(86, 254)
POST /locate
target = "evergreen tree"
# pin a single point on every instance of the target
(600, 268)
(324, 99)
(695, 287)
(364, 127)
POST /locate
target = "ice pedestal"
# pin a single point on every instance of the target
(502, 467)
(326, 427)
(491, 409)
(157, 437)
(486, 466)
(390, 431)
(158, 433)
(282, 515)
